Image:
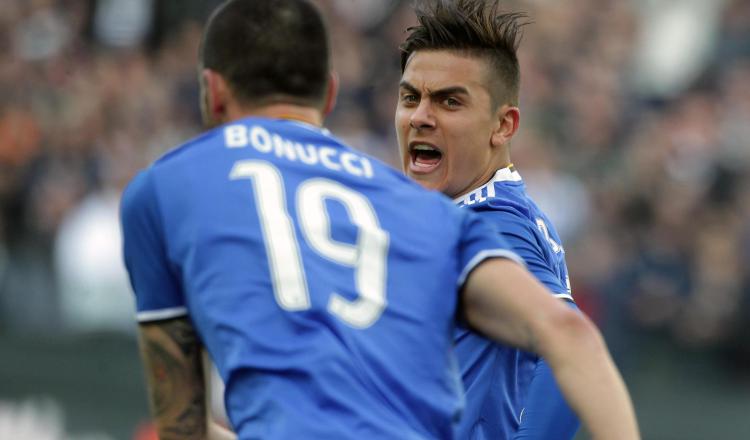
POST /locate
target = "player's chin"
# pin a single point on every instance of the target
(428, 181)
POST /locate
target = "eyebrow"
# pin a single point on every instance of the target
(453, 90)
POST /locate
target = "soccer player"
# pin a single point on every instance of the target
(456, 115)
(314, 275)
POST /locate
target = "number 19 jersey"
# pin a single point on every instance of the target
(322, 282)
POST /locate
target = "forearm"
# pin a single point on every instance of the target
(506, 303)
(172, 359)
(594, 387)
(216, 431)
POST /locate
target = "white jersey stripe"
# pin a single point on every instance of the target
(156, 315)
(563, 296)
(507, 174)
(481, 256)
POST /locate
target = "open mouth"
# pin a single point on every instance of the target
(424, 157)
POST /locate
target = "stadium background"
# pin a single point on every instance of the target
(635, 138)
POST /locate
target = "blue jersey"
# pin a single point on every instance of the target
(496, 377)
(317, 278)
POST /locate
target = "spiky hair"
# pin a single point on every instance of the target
(473, 27)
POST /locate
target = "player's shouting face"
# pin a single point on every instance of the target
(451, 133)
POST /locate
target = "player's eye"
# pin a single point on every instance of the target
(451, 102)
(409, 98)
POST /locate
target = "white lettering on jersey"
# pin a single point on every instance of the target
(325, 158)
(235, 136)
(259, 137)
(475, 196)
(307, 154)
(348, 160)
(556, 248)
(284, 148)
(240, 136)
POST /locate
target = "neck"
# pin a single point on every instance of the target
(499, 162)
(309, 115)
(502, 159)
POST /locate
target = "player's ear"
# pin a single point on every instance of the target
(216, 95)
(331, 93)
(508, 118)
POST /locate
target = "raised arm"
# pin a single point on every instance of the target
(503, 301)
(171, 354)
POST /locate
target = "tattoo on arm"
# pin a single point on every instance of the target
(171, 353)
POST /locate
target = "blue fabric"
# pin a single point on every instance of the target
(546, 414)
(502, 383)
(195, 239)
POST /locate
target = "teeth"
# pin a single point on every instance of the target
(424, 148)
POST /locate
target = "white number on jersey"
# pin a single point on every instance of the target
(556, 248)
(367, 257)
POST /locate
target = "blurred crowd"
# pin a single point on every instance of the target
(635, 137)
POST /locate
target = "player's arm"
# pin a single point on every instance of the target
(217, 426)
(170, 348)
(546, 414)
(171, 354)
(505, 302)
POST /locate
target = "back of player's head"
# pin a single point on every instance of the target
(476, 28)
(269, 51)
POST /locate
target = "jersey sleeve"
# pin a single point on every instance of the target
(157, 290)
(479, 242)
(522, 238)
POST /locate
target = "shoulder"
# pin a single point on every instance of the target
(507, 212)
(142, 188)
(193, 145)
(140, 197)
(514, 215)
(139, 208)
(137, 193)
(504, 193)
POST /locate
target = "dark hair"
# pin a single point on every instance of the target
(474, 27)
(269, 51)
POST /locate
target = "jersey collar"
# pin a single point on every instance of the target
(507, 174)
(305, 124)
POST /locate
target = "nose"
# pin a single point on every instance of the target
(422, 117)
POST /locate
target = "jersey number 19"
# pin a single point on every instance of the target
(368, 257)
